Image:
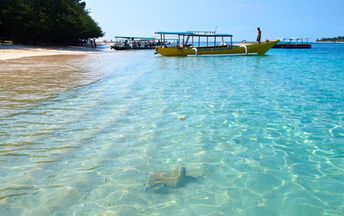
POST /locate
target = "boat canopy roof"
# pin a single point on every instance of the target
(135, 38)
(294, 38)
(195, 33)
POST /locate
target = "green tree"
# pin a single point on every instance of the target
(334, 39)
(46, 21)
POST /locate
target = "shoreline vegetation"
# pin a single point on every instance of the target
(339, 39)
(47, 23)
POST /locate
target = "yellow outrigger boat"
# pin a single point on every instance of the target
(208, 43)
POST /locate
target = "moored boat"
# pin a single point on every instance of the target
(134, 43)
(207, 43)
(293, 43)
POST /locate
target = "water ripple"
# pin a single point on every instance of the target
(258, 135)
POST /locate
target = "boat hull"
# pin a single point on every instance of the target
(243, 49)
(292, 46)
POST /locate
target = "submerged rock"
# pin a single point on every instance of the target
(163, 179)
(165, 182)
(182, 118)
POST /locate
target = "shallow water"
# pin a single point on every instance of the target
(256, 135)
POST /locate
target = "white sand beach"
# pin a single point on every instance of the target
(20, 51)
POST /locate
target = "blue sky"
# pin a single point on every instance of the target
(289, 18)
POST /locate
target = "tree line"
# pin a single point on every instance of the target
(59, 22)
(334, 39)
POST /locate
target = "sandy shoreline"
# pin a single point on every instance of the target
(20, 51)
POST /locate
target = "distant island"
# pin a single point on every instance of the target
(48, 22)
(339, 39)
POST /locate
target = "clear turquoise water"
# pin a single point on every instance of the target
(261, 136)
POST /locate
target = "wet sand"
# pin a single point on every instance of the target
(32, 74)
(28, 81)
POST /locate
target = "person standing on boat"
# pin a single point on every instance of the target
(259, 36)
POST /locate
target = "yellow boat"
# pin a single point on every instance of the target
(207, 43)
